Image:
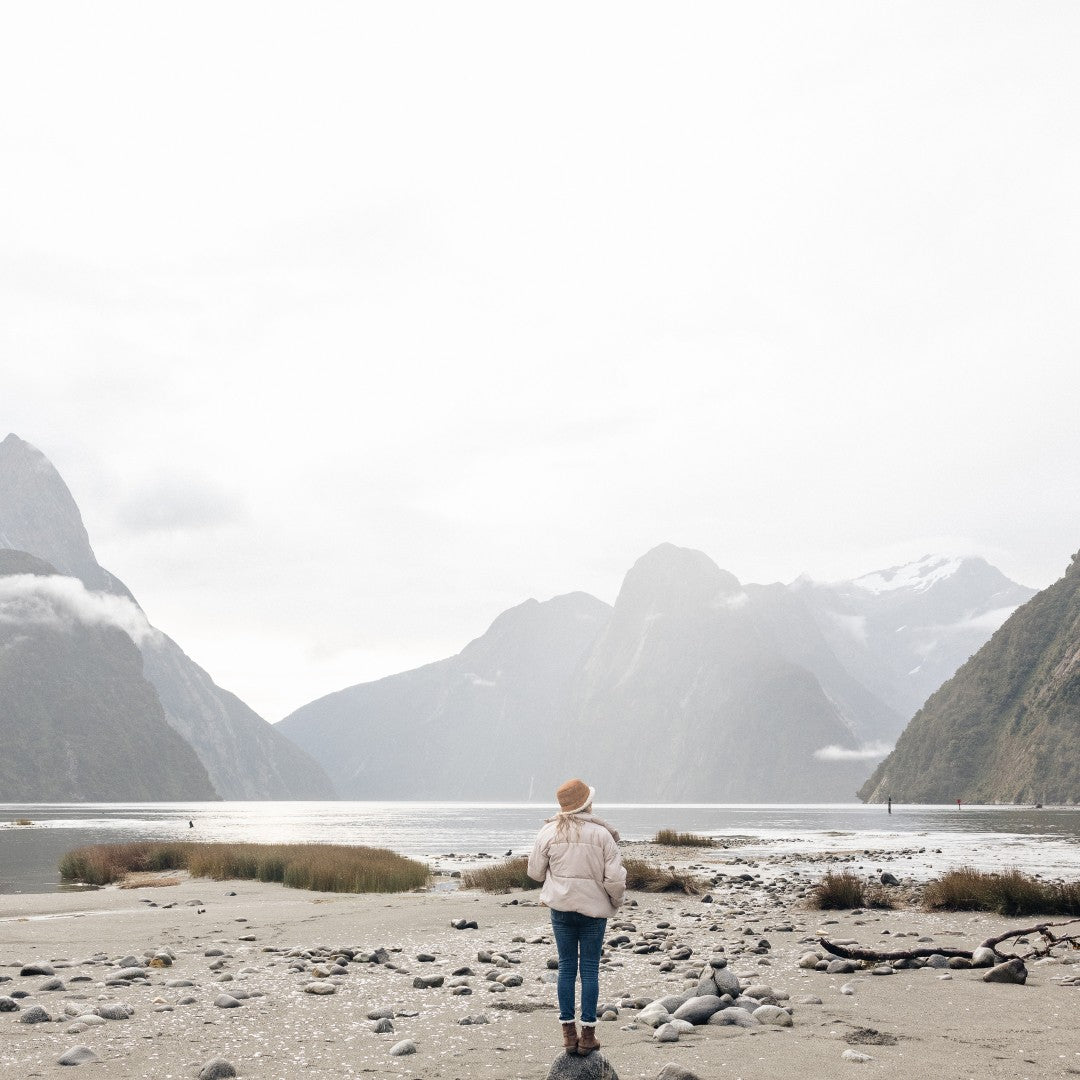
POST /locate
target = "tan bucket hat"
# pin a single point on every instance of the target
(574, 795)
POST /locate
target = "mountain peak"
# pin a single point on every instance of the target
(668, 576)
(39, 515)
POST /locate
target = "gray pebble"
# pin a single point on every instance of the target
(77, 1055)
(217, 1069)
(115, 1010)
(671, 1071)
(1012, 971)
(772, 1014)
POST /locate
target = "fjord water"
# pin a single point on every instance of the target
(929, 839)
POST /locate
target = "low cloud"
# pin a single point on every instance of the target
(987, 620)
(732, 601)
(869, 752)
(61, 603)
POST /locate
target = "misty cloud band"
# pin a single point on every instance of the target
(61, 603)
(869, 752)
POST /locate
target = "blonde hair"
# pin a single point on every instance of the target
(567, 824)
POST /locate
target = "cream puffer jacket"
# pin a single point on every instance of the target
(581, 870)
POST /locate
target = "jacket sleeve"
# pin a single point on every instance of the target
(538, 860)
(614, 873)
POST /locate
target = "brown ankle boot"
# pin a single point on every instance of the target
(588, 1041)
(570, 1038)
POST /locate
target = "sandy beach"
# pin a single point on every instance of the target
(244, 939)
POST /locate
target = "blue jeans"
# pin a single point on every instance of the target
(578, 937)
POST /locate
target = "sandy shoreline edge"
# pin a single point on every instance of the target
(931, 1026)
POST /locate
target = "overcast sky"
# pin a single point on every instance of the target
(351, 325)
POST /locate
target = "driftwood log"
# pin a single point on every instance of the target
(1050, 940)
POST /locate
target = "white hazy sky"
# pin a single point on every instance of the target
(350, 325)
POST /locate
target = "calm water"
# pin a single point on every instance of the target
(1037, 841)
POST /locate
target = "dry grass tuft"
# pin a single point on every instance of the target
(319, 867)
(877, 896)
(500, 878)
(682, 839)
(647, 877)
(1009, 893)
(22, 821)
(838, 891)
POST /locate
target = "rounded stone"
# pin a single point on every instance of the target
(698, 1009)
(115, 1010)
(572, 1067)
(218, 1068)
(671, 1071)
(772, 1014)
(77, 1055)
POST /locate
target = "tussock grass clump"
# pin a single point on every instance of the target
(319, 867)
(877, 896)
(22, 821)
(1009, 892)
(500, 878)
(647, 877)
(836, 891)
(682, 839)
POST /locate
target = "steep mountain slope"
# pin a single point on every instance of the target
(77, 719)
(1006, 726)
(786, 622)
(477, 725)
(683, 697)
(245, 757)
(902, 632)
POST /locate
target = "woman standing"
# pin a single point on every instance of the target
(576, 856)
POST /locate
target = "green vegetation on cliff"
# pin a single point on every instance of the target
(1006, 727)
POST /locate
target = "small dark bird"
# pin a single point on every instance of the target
(510, 852)
(191, 824)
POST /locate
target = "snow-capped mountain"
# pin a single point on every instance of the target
(903, 631)
(1004, 727)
